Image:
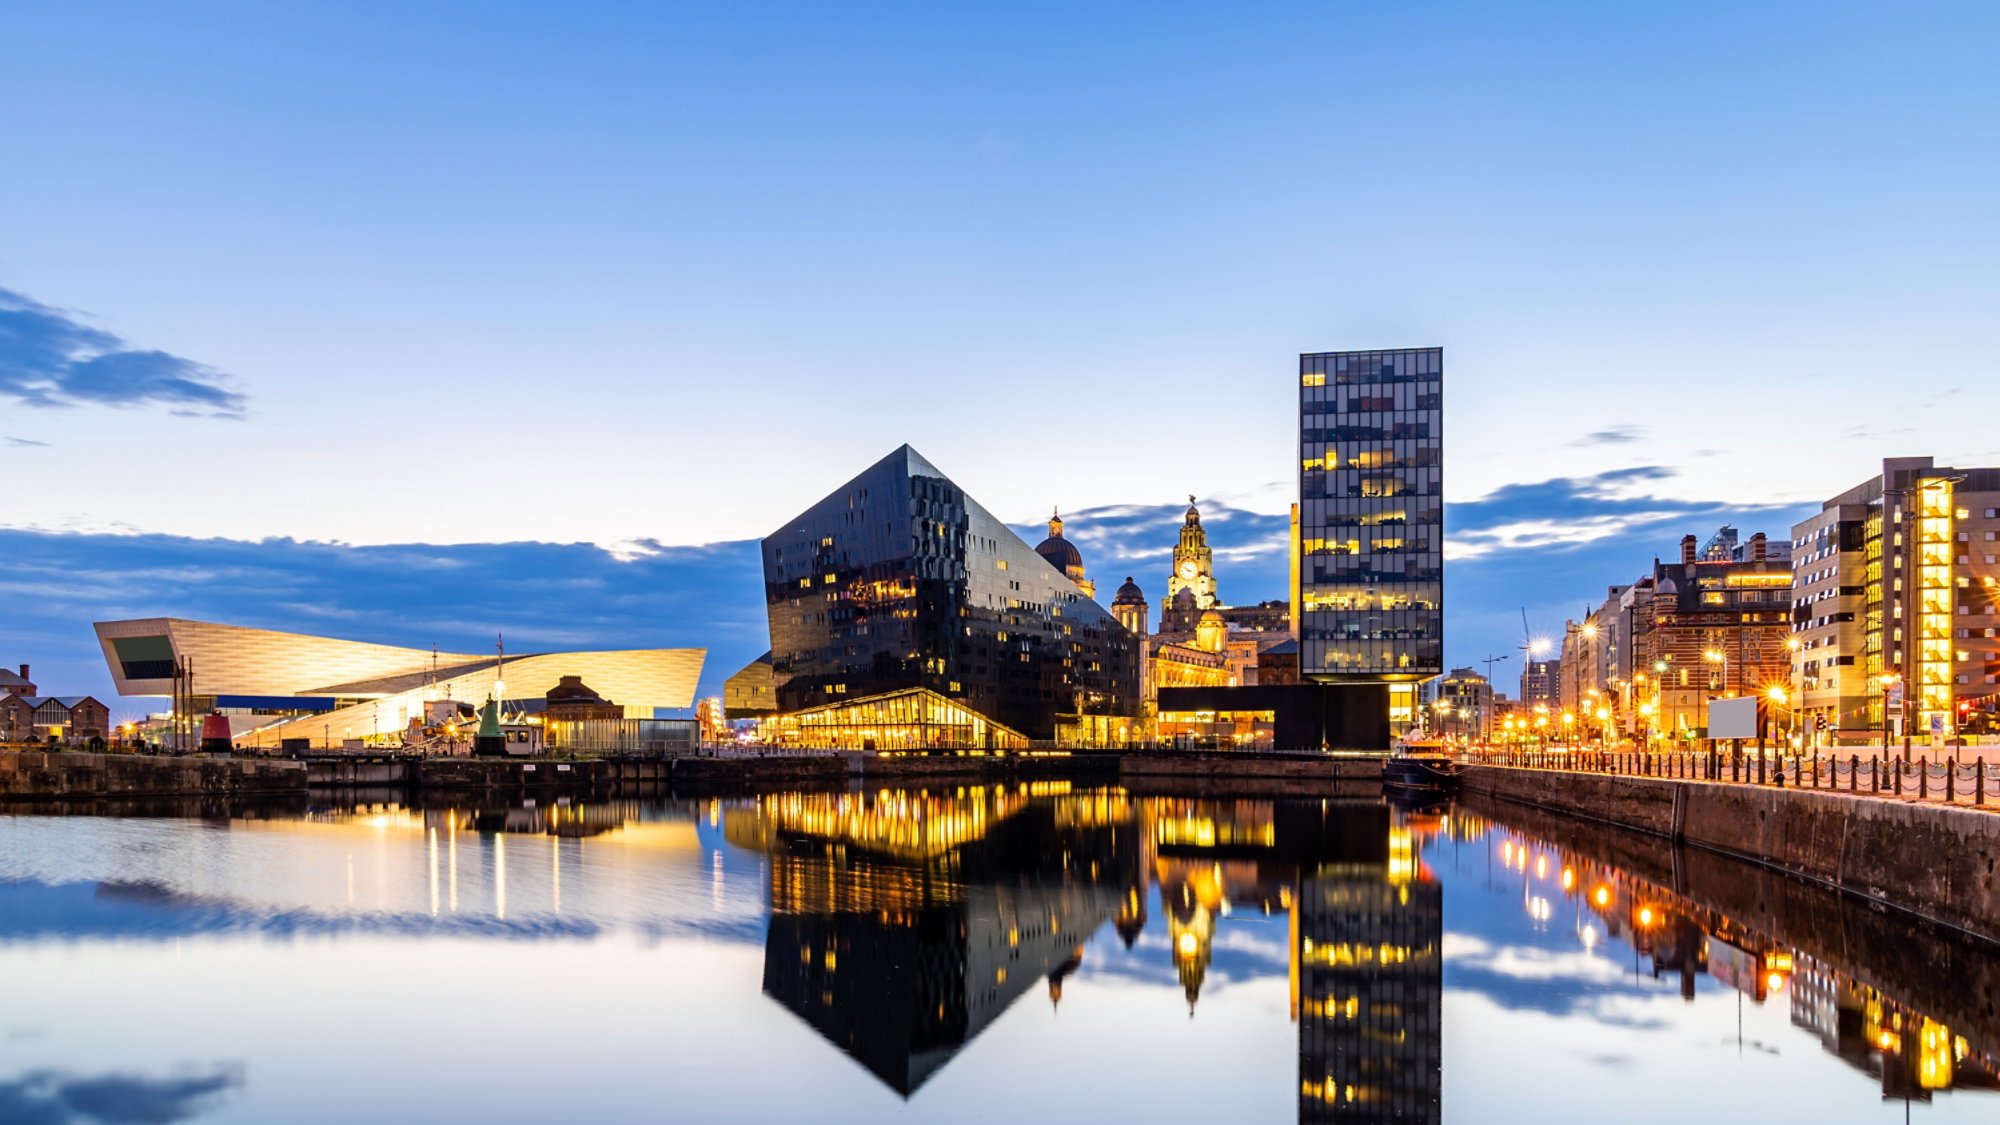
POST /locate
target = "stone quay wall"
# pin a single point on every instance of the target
(1935, 861)
(41, 775)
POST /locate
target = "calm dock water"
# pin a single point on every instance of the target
(979, 953)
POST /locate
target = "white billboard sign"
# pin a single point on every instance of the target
(1732, 718)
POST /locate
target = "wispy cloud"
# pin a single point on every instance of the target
(1871, 433)
(48, 358)
(1548, 546)
(25, 443)
(1616, 435)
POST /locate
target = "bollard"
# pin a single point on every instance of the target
(1899, 775)
(1923, 780)
(1854, 773)
(1950, 782)
(1979, 783)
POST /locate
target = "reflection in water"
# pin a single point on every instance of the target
(52, 1097)
(1912, 1054)
(902, 924)
(903, 927)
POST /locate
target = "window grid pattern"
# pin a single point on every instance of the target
(1371, 514)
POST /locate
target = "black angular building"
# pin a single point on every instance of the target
(904, 615)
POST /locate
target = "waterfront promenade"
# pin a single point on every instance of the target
(1946, 779)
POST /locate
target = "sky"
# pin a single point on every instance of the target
(627, 277)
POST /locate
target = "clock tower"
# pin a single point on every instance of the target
(1194, 563)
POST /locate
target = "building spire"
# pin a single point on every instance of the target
(1055, 523)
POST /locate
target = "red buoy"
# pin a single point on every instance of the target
(215, 732)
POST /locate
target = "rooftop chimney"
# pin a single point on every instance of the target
(24, 671)
(1687, 548)
(1757, 547)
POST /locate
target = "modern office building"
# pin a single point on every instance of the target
(275, 686)
(1539, 684)
(904, 615)
(1370, 603)
(1894, 608)
(1461, 704)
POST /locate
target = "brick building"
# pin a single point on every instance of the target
(48, 718)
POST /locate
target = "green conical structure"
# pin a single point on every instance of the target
(489, 719)
(490, 740)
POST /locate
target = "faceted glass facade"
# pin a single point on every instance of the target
(1371, 514)
(900, 580)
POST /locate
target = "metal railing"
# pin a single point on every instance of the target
(1919, 778)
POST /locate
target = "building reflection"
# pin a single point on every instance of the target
(1911, 1054)
(1364, 931)
(902, 924)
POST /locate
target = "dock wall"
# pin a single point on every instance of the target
(1935, 861)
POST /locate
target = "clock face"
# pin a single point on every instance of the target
(1187, 570)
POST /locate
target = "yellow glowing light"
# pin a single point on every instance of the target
(1569, 879)
(1776, 695)
(1714, 656)
(1645, 916)
(1774, 982)
(1602, 897)
(1187, 944)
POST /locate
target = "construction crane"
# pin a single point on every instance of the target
(1486, 710)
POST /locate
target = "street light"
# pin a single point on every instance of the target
(1778, 698)
(1889, 682)
(1717, 656)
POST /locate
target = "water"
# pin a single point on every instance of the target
(988, 954)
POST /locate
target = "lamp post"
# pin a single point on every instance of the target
(1775, 695)
(1889, 682)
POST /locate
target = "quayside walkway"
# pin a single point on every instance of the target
(1920, 777)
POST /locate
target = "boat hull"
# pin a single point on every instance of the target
(1418, 773)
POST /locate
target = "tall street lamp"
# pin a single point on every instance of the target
(1890, 680)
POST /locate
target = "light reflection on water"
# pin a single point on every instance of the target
(978, 954)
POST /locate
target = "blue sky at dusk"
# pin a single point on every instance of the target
(582, 298)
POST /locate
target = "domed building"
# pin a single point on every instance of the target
(1130, 608)
(1211, 632)
(1063, 555)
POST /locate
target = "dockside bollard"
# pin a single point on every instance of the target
(1854, 773)
(1979, 782)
